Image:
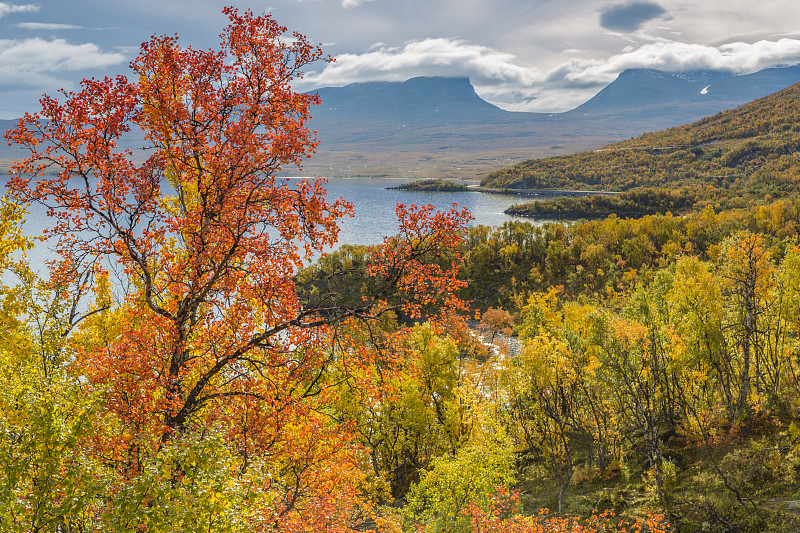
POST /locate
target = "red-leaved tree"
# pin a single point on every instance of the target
(212, 375)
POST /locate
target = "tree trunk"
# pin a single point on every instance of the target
(564, 484)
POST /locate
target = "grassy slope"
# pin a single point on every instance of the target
(751, 151)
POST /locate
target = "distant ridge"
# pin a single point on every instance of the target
(424, 99)
(438, 126)
(684, 96)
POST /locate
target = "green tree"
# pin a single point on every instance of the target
(47, 480)
(456, 482)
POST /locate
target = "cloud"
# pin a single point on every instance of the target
(46, 26)
(433, 57)
(577, 80)
(497, 76)
(629, 17)
(32, 62)
(740, 58)
(5, 8)
(353, 3)
(501, 79)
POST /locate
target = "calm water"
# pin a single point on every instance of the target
(374, 206)
(374, 211)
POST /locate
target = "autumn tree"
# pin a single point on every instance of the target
(748, 271)
(405, 431)
(211, 368)
(496, 322)
(544, 386)
(469, 477)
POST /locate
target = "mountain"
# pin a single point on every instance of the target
(427, 100)
(685, 96)
(425, 114)
(440, 127)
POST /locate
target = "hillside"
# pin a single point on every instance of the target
(749, 152)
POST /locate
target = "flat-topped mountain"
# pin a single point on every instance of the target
(423, 100)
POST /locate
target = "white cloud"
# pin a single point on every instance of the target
(440, 57)
(353, 3)
(46, 26)
(30, 62)
(500, 78)
(5, 8)
(740, 58)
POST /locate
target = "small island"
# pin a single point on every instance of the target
(432, 185)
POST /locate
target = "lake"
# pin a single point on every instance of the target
(373, 205)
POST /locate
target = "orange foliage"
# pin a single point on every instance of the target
(499, 519)
(211, 336)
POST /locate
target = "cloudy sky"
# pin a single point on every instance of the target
(532, 55)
